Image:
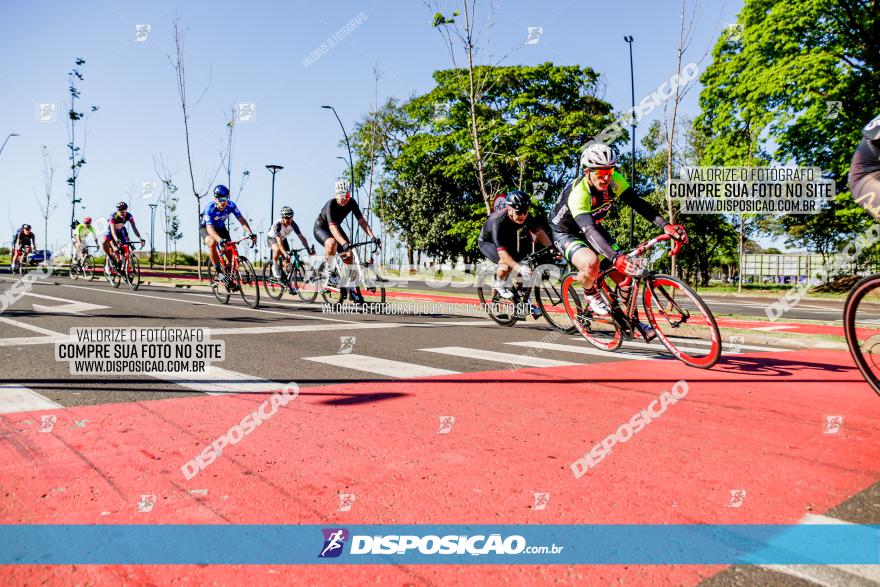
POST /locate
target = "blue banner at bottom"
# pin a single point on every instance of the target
(660, 544)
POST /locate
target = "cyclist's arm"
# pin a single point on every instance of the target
(543, 238)
(300, 235)
(135, 228)
(362, 221)
(643, 208)
(244, 223)
(501, 243)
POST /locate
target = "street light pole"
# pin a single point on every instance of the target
(12, 134)
(347, 144)
(632, 172)
(273, 169)
(152, 230)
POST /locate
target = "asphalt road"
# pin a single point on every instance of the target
(379, 372)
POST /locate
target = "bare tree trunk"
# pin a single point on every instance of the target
(473, 98)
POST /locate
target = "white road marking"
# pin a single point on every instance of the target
(773, 328)
(584, 350)
(218, 381)
(855, 575)
(67, 307)
(15, 399)
(379, 366)
(30, 327)
(510, 359)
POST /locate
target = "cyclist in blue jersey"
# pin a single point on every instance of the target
(116, 232)
(212, 226)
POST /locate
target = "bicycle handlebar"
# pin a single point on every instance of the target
(362, 244)
(639, 250)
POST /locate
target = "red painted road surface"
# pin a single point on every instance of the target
(753, 422)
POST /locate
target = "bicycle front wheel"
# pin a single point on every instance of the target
(74, 269)
(863, 330)
(133, 272)
(113, 277)
(548, 297)
(502, 311)
(248, 286)
(682, 320)
(87, 266)
(307, 282)
(274, 288)
(600, 331)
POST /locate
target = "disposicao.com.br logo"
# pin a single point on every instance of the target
(480, 544)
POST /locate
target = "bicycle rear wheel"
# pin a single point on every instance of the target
(548, 297)
(87, 266)
(600, 331)
(113, 277)
(133, 272)
(862, 330)
(307, 282)
(502, 311)
(682, 320)
(248, 286)
(274, 287)
(74, 270)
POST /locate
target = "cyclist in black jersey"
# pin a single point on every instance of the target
(328, 228)
(23, 240)
(506, 238)
(864, 171)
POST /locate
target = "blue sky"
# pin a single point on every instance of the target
(253, 52)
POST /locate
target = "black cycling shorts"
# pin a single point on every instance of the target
(489, 250)
(221, 231)
(570, 244)
(322, 234)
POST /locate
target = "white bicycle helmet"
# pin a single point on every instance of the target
(598, 155)
(341, 187)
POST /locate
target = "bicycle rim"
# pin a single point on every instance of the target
(682, 320)
(88, 266)
(133, 273)
(500, 310)
(274, 288)
(113, 278)
(248, 285)
(308, 283)
(74, 270)
(548, 297)
(601, 332)
(862, 329)
(332, 294)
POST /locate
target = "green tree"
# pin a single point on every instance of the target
(769, 96)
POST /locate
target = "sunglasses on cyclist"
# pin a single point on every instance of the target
(603, 172)
(520, 212)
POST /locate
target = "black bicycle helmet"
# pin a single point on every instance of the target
(518, 200)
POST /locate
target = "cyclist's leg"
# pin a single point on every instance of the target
(577, 252)
(213, 252)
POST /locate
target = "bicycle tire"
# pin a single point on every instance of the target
(88, 265)
(697, 332)
(274, 288)
(370, 286)
(247, 281)
(602, 333)
(133, 272)
(113, 278)
(869, 365)
(501, 311)
(549, 293)
(308, 284)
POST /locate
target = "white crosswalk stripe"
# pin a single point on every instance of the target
(585, 350)
(15, 399)
(397, 369)
(494, 356)
(217, 381)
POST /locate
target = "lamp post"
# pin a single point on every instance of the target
(632, 173)
(152, 230)
(347, 144)
(273, 169)
(12, 134)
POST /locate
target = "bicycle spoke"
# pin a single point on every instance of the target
(861, 322)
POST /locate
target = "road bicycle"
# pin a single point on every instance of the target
(297, 276)
(677, 315)
(238, 275)
(862, 329)
(127, 268)
(83, 265)
(21, 267)
(547, 272)
(361, 275)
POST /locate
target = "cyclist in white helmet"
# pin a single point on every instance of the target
(576, 220)
(277, 239)
(328, 226)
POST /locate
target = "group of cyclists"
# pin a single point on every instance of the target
(575, 224)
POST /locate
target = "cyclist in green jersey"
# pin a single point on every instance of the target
(83, 229)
